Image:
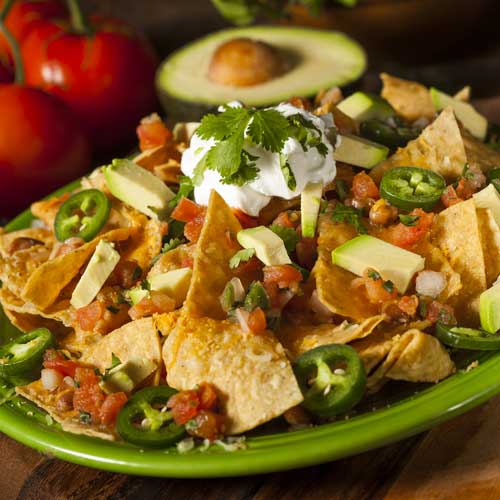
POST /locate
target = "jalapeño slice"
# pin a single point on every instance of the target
(142, 423)
(332, 379)
(82, 216)
(22, 358)
(494, 178)
(412, 187)
(467, 338)
(392, 137)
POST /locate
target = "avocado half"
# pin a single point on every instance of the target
(318, 60)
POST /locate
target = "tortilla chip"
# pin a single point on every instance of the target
(333, 283)
(156, 156)
(46, 210)
(411, 100)
(173, 259)
(456, 232)
(136, 342)
(423, 359)
(44, 236)
(211, 272)
(298, 339)
(166, 323)
(27, 322)
(490, 238)
(69, 420)
(251, 373)
(275, 207)
(79, 341)
(463, 94)
(168, 172)
(373, 349)
(445, 147)
(61, 270)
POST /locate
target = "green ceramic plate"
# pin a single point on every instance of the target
(400, 411)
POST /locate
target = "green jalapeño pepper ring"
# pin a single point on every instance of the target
(467, 338)
(82, 216)
(392, 137)
(140, 422)
(332, 379)
(21, 359)
(412, 187)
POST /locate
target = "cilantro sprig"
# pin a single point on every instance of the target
(349, 215)
(241, 256)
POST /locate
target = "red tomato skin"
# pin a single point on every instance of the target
(186, 210)
(6, 75)
(111, 407)
(42, 146)
(106, 78)
(246, 221)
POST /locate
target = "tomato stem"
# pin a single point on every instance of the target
(79, 21)
(14, 46)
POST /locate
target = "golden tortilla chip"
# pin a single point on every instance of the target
(445, 147)
(8, 240)
(27, 322)
(490, 238)
(46, 210)
(456, 232)
(165, 323)
(168, 172)
(423, 359)
(137, 343)
(69, 420)
(298, 339)
(411, 100)
(251, 373)
(211, 272)
(61, 270)
(155, 156)
(333, 283)
(275, 207)
(373, 349)
(173, 259)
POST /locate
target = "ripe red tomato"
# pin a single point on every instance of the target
(107, 77)
(24, 14)
(42, 146)
(5, 74)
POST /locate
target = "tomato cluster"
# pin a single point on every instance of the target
(81, 85)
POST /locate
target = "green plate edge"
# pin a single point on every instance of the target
(269, 453)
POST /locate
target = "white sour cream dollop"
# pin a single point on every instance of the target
(307, 166)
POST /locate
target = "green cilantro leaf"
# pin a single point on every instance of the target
(290, 180)
(409, 220)
(246, 173)
(388, 286)
(374, 275)
(185, 190)
(225, 156)
(171, 245)
(269, 128)
(349, 215)
(288, 235)
(306, 133)
(223, 125)
(115, 361)
(242, 256)
(113, 309)
(85, 417)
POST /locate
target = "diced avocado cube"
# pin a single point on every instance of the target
(137, 294)
(138, 188)
(473, 121)
(489, 309)
(391, 262)
(269, 247)
(360, 152)
(174, 283)
(361, 106)
(489, 198)
(310, 204)
(117, 380)
(99, 268)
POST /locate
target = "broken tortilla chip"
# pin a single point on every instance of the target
(136, 343)
(211, 271)
(251, 373)
(61, 270)
(166, 322)
(456, 232)
(298, 339)
(69, 420)
(9, 241)
(411, 100)
(333, 283)
(490, 239)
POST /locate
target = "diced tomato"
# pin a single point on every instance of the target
(187, 210)
(88, 316)
(363, 187)
(89, 399)
(246, 220)
(406, 236)
(111, 407)
(192, 230)
(442, 313)
(257, 321)
(283, 275)
(152, 132)
(125, 274)
(284, 220)
(207, 425)
(85, 376)
(207, 396)
(464, 189)
(184, 406)
(156, 303)
(450, 197)
(306, 251)
(409, 305)
(300, 102)
(56, 361)
(378, 290)
(251, 266)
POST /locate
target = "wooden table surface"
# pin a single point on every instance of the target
(457, 460)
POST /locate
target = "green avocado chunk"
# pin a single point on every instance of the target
(489, 309)
(310, 203)
(361, 107)
(316, 60)
(360, 152)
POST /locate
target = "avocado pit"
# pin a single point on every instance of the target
(243, 62)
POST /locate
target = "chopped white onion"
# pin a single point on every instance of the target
(69, 381)
(430, 283)
(51, 379)
(242, 317)
(239, 290)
